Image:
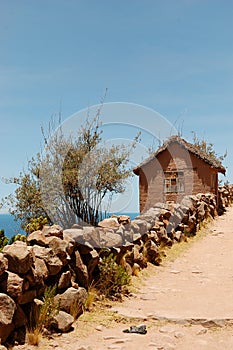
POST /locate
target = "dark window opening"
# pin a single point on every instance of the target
(173, 181)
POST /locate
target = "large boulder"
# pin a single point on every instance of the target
(62, 321)
(38, 273)
(109, 238)
(3, 264)
(92, 261)
(74, 236)
(7, 310)
(92, 236)
(20, 258)
(135, 227)
(123, 219)
(72, 301)
(164, 240)
(12, 285)
(188, 203)
(41, 252)
(60, 248)
(85, 249)
(152, 252)
(138, 256)
(142, 224)
(64, 280)
(109, 223)
(123, 254)
(102, 237)
(192, 224)
(80, 270)
(164, 214)
(36, 237)
(53, 263)
(202, 211)
(54, 230)
(176, 218)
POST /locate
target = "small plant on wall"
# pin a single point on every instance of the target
(113, 278)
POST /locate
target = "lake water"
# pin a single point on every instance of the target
(12, 227)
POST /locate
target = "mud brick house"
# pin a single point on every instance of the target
(176, 169)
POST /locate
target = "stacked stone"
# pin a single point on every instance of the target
(69, 258)
(225, 197)
(26, 269)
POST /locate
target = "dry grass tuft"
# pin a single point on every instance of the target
(92, 296)
(33, 337)
(41, 316)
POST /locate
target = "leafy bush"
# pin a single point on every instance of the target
(73, 174)
(36, 224)
(3, 240)
(17, 237)
(112, 278)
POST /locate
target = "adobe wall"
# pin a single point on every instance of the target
(202, 177)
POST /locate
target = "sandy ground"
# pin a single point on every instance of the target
(185, 304)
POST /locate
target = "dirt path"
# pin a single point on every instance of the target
(187, 304)
(198, 285)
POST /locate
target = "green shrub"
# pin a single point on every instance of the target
(49, 307)
(3, 240)
(17, 237)
(112, 278)
(36, 224)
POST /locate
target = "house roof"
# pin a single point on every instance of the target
(194, 149)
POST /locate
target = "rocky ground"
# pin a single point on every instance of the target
(187, 303)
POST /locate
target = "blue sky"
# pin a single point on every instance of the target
(175, 57)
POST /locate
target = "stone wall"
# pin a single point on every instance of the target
(69, 258)
(225, 198)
